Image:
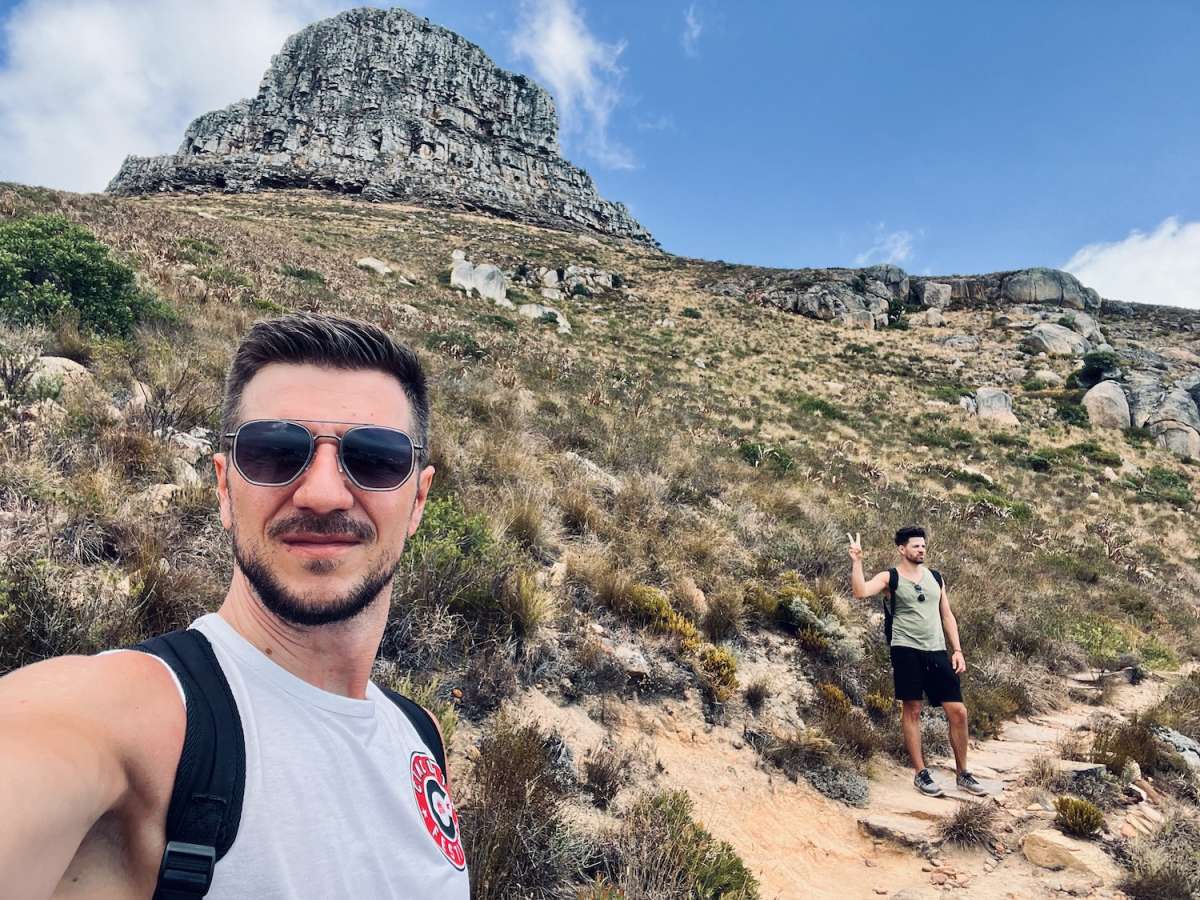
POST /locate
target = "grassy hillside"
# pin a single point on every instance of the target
(652, 506)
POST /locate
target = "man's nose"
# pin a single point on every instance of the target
(323, 487)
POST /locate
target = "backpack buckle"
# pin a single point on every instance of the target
(187, 868)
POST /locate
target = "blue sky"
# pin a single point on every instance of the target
(946, 137)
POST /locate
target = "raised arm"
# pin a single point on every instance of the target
(859, 585)
(79, 737)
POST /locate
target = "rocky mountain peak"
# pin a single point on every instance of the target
(388, 106)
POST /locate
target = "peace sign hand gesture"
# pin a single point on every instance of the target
(856, 550)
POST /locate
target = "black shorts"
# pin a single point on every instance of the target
(919, 673)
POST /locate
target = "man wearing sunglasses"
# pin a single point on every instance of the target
(337, 790)
(917, 622)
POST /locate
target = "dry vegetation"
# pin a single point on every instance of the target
(598, 494)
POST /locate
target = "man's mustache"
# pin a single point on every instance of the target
(337, 523)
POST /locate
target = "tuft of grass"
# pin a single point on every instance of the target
(1115, 743)
(726, 613)
(529, 608)
(607, 769)
(308, 276)
(1078, 817)
(971, 824)
(1166, 865)
(717, 670)
(757, 693)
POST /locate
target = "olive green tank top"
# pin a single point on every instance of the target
(917, 623)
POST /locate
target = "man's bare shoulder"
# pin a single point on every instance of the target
(128, 701)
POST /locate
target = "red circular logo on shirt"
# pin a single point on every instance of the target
(437, 809)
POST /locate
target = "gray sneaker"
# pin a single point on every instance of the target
(969, 783)
(924, 783)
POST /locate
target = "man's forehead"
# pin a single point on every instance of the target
(317, 393)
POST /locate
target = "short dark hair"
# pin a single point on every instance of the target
(333, 342)
(907, 533)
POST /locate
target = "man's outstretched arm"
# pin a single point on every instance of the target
(78, 735)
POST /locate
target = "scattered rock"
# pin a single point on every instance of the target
(1053, 850)
(371, 264)
(537, 311)
(995, 406)
(183, 474)
(1107, 406)
(192, 445)
(69, 375)
(156, 499)
(965, 342)
(486, 280)
(930, 318)
(1181, 744)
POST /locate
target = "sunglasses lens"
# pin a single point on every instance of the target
(271, 452)
(378, 458)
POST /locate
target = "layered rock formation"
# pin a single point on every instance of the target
(385, 105)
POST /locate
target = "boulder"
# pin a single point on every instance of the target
(995, 406)
(930, 318)
(963, 342)
(183, 474)
(485, 280)
(1051, 849)
(69, 375)
(1107, 406)
(1055, 340)
(1180, 439)
(892, 277)
(1049, 377)
(1181, 744)
(192, 446)
(858, 318)
(933, 294)
(1144, 393)
(1082, 323)
(538, 310)
(371, 264)
(1175, 405)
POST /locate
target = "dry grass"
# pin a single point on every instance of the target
(971, 824)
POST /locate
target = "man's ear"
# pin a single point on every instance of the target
(221, 468)
(424, 482)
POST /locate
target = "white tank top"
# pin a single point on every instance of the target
(343, 799)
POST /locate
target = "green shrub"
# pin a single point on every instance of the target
(1002, 506)
(759, 454)
(1078, 818)
(659, 850)
(309, 276)
(690, 312)
(1071, 411)
(457, 344)
(1095, 366)
(51, 268)
(1163, 484)
(1115, 743)
(717, 669)
(808, 404)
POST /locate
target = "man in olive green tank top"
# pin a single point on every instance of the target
(921, 622)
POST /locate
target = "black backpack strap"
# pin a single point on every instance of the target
(206, 802)
(889, 603)
(937, 576)
(423, 722)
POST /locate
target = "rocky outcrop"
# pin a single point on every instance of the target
(387, 106)
(995, 406)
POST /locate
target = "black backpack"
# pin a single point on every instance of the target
(889, 601)
(206, 801)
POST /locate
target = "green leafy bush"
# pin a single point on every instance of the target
(690, 312)
(51, 268)
(1096, 366)
(1077, 817)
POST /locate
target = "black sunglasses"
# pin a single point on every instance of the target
(275, 452)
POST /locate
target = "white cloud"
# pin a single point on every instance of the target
(1160, 267)
(86, 82)
(657, 123)
(889, 247)
(581, 72)
(692, 28)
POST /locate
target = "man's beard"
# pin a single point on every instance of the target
(297, 610)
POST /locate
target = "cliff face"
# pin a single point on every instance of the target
(383, 104)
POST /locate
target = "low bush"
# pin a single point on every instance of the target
(659, 850)
(1078, 817)
(1116, 742)
(717, 670)
(971, 824)
(428, 692)
(1166, 865)
(512, 813)
(726, 613)
(51, 268)
(807, 753)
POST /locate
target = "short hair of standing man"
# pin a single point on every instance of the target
(907, 533)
